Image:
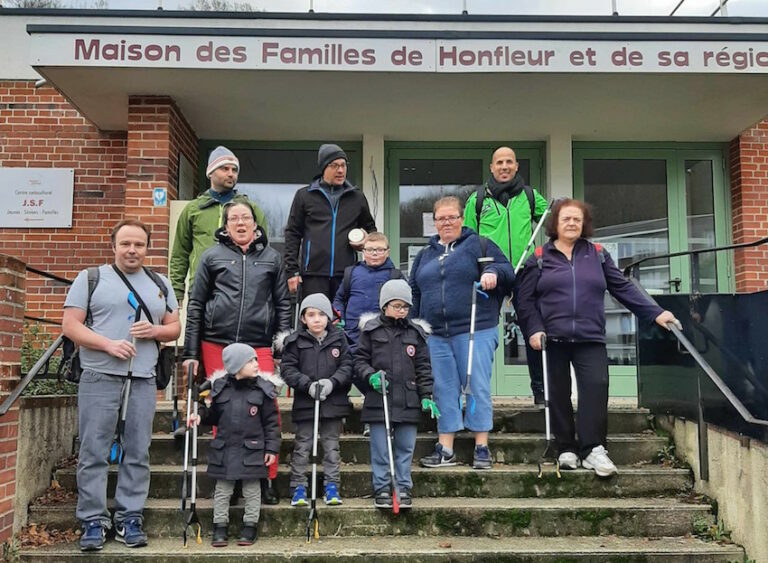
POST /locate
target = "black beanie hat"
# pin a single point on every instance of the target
(327, 154)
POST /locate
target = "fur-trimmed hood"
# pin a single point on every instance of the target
(368, 318)
(270, 383)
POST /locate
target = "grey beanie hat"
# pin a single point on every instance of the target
(395, 289)
(317, 301)
(221, 156)
(327, 154)
(236, 355)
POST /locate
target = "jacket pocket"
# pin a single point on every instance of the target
(411, 394)
(216, 452)
(253, 452)
(210, 313)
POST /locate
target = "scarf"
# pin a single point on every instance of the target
(221, 197)
(503, 192)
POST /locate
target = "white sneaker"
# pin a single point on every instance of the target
(568, 460)
(599, 461)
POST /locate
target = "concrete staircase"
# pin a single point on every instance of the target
(507, 514)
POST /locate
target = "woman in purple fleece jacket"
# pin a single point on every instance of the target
(561, 295)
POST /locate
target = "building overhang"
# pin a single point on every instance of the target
(451, 79)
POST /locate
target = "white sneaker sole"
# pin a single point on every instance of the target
(599, 472)
(569, 466)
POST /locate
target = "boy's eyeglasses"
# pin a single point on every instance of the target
(404, 307)
(375, 251)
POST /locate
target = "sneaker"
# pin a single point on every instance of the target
(219, 536)
(332, 497)
(405, 499)
(382, 499)
(366, 430)
(599, 461)
(482, 458)
(248, 535)
(568, 460)
(269, 492)
(93, 536)
(299, 496)
(437, 459)
(130, 533)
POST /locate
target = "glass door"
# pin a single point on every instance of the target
(648, 202)
(416, 178)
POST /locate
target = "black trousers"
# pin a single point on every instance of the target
(590, 362)
(533, 357)
(320, 284)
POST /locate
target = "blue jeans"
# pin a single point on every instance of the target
(98, 401)
(403, 444)
(449, 358)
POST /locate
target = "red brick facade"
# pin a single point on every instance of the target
(114, 176)
(12, 282)
(749, 205)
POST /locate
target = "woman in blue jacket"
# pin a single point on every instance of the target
(561, 295)
(442, 280)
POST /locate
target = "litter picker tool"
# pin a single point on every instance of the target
(466, 391)
(175, 387)
(549, 457)
(524, 255)
(313, 523)
(192, 520)
(185, 474)
(116, 451)
(395, 493)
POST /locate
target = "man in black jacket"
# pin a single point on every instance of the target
(317, 248)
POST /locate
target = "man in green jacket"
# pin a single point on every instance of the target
(202, 216)
(505, 212)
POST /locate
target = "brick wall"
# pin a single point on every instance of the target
(39, 129)
(12, 282)
(749, 205)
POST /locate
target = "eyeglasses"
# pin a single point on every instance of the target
(375, 251)
(446, 220)
(403, 307)
(238, 218)
(337, 165)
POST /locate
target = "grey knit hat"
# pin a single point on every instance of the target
(317, 301)
(236, 355)
(221, 156)
(395, 289)
(327, 154)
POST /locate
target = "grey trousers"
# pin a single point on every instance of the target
(223, 493)
(330, 430)
(98, 400)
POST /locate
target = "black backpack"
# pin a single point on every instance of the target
(482, 192)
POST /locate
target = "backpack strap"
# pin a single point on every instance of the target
(531, 200)
(396, 274)
(539, 253)
(93, 281)
(346, 282)
(155, 277)
(479, 204)
(600, 252)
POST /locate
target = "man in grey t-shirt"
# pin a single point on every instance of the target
(106, 345)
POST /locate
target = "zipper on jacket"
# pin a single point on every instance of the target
(334, 211)
(306, 259)
(509, 235)
(242, 302)
(441, 260)
(573, 281)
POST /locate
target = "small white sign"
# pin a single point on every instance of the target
(36, 197)
(160, 197)
(428, 224)
(413, 250)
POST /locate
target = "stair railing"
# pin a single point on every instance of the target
(632, 271)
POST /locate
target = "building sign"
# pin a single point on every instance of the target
(398, 55)
(36, 197)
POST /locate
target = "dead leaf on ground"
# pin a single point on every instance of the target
(36, 535)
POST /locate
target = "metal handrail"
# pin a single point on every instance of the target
(19, 389)
(628, 269)
(50, 276)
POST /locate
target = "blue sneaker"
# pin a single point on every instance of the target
(482, 458)
(130, 532)
(93, 536)
(299, 496)
(332, 497)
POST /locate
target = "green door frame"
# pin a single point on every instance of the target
(623, 380)
(508, 380)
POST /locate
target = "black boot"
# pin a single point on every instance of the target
(248, 534)
(269, 492)
(219, 536)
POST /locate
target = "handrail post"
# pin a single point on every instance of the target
(703, 434)
(695, 275)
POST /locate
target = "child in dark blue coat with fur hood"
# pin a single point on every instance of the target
(391, 343)
(242, 406)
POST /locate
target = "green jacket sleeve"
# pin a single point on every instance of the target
(470, 217)
(540, 205)
(182, 248)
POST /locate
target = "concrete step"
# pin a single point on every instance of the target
(503, 481)
(506, 418)
(624, 449)
(407, 549)
(634, 517)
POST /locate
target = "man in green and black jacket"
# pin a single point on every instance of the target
(504, 208)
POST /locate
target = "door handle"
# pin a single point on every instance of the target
(676, 282)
